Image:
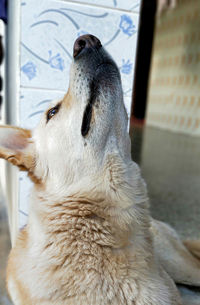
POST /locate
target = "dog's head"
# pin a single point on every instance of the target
(79, 135)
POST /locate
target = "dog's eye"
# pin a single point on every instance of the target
(52, 112)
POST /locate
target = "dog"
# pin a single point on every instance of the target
(90, 238)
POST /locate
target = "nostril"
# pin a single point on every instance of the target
(79, 46)
(82, 43)
(85, 41)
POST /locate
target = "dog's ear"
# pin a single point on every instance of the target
(16, 146)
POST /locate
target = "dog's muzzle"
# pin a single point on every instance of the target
(95, 77)
(93, 60)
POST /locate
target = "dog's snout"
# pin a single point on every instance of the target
(85, 42)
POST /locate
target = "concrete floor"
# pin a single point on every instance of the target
(171, 167)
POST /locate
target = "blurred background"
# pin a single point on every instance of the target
(156, 44)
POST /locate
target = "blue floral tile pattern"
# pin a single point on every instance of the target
(51, 27)
(127, 26)
(56, 61)
(29, 70)
(126, 67)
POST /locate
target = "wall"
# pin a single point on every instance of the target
(174, 96)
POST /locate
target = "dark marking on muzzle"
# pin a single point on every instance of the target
(87, 115)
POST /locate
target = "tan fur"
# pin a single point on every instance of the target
(193, 246)
(22, 138)
(68, 100)
(83, 240)
(179, 263)
(26, 133)
(89, 239)
(19, 156)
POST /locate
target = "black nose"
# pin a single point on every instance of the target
(85, 41)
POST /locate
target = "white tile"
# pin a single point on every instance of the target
(24, 194)
(23, 219)
(49, 30)
(24, 187)
(130, 5)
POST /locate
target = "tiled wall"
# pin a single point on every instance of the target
(48, 30)
(174, 95)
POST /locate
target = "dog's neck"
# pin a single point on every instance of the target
(111, 211)
(80, 218)
(80, 234)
